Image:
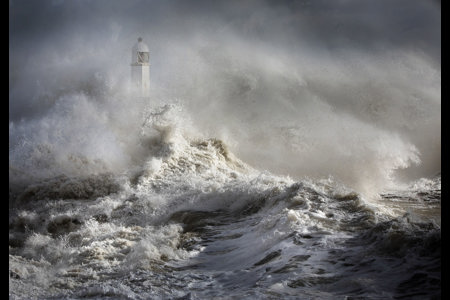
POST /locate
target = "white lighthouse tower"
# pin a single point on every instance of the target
(140, 68)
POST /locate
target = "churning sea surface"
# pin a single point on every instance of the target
(193, 221)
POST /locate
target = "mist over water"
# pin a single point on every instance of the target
(349, 90)
(288, 149)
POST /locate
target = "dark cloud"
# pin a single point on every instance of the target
(365, 24)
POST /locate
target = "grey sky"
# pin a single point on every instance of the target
(365, 24)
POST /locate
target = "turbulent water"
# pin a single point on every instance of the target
(193, 221)
(287, 150)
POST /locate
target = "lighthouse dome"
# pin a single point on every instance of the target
(140, 46)
(139, 53)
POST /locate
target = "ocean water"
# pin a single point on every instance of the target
(191, 220)
(287, 150)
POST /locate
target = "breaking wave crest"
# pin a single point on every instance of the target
(191, 211)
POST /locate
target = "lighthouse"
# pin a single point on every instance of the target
(140, 68)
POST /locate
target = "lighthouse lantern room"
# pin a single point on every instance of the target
(140, 68)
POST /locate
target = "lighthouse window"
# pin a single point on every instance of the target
(142, 57)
